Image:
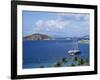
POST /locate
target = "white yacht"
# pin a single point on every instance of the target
(75, 49)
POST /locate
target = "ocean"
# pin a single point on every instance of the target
(47, 52)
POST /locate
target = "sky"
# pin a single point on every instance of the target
(56, 24)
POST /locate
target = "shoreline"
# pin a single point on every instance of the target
(84, 41)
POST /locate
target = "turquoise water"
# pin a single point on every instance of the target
(48, 52)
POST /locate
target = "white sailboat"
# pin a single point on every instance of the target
(75, 49)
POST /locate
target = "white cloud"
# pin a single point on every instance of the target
(39, 22)
(51, 24)
(74, 16)
(64, 23)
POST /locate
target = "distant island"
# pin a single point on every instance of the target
(37, 36)
(84, 41)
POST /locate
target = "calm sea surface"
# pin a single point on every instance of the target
(48, 52)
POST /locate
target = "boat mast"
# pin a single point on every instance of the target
(75, 44)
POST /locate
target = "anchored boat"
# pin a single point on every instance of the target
(75, 49)
(73, 52)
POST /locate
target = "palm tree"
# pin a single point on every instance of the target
(58, 64)
(72, 64)
(75, 58)
(64, 60)
(61, 62)
(41, 66)
(81, 61)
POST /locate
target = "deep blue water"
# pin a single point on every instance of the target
(47, 52)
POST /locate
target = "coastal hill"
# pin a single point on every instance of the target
(37, 36)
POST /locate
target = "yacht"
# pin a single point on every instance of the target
(75, 49)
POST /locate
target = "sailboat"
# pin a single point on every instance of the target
(75, 49)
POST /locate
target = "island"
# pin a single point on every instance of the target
(37, 36)
(85, 39)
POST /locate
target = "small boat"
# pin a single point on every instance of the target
(73, 52)
(75, 49)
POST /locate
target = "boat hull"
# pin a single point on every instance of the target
(73, 52)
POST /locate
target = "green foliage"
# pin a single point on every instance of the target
(72, 64)
(64, 60)
(58, 64)
(79, 61)
(41, 66)
(75, 61)
(74, 58)
(61, 62)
